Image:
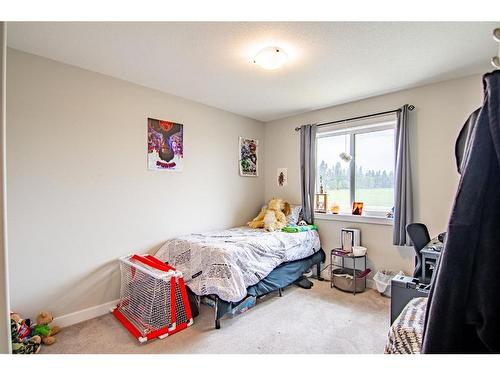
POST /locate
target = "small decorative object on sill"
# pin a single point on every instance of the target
(335, 208)
(390, 214)
(357, 208)
(321, 203)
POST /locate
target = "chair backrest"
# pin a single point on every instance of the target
(419, 235)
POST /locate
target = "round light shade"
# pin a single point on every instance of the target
(271, 58)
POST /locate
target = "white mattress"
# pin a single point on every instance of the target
(226, 262)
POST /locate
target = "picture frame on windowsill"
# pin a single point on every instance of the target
(321, 202)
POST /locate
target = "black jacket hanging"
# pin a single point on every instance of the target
(463, 311)
(462, 145)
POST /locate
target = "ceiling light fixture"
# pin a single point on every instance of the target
(270, 58)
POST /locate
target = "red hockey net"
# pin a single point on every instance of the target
(153, 299)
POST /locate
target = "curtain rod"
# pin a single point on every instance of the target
(410, 107)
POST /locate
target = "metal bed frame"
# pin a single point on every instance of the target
(216, 299)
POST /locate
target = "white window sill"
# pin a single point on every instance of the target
(354, 218)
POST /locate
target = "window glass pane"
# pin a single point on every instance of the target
(374, 180)
(334, 171)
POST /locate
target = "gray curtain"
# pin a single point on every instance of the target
(308, 170)
(403, 194)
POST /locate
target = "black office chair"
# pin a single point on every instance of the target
(419, 235)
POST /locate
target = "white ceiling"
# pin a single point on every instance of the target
(330, 62)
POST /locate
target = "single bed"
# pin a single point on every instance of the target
(231, 264)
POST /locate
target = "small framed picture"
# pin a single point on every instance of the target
(357, 208)
(282, 177)
(321, 202)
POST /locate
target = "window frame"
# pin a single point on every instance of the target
(371, 127)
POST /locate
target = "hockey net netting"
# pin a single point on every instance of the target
(146, 296)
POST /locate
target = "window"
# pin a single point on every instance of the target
(333, 172)
(369, 176)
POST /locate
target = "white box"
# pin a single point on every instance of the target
(349, 237)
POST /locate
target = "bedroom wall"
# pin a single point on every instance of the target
(80, 195)
(441, 110)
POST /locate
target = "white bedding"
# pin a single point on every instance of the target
(226, 262)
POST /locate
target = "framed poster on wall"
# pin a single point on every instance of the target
(165, 145)
(249, 157)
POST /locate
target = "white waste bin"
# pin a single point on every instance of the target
(383, 281)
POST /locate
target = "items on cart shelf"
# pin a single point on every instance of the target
(348, 273)
(349, 237)
(340, 252)
(359, 251)
(365, 273)
(343, 279)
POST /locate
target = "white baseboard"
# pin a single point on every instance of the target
(95, 311)
(85, 314)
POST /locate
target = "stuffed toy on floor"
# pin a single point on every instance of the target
(272, 217)
(23, 342)
(43, 329)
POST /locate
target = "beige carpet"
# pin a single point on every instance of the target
(319, 320)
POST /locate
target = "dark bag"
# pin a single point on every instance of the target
(194, 302)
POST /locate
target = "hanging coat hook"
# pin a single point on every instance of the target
(495, 61)
(496, 34)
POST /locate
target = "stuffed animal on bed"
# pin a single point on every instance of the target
(272, 217)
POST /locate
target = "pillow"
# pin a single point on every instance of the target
(293, 217)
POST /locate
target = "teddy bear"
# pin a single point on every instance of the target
(22, 340)
(43, 329)
(272, 217)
